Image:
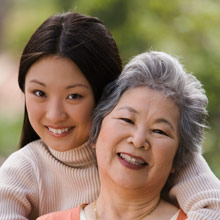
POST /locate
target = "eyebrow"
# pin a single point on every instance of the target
(76, 85)
(36, 81)
(130, 109)
(68, 87)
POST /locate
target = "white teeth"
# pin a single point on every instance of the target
(132, 160)
(58, 131)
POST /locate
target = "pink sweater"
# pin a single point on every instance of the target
(74, 214)
(36, 180)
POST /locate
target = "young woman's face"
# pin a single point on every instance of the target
(59, 102)
(138, 140)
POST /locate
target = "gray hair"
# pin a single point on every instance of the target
(160, 71)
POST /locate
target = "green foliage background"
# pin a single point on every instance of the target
(185, 28)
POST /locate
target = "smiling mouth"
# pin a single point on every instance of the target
(59, 131)
(132, 160)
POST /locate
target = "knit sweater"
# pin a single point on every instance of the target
(37, 180)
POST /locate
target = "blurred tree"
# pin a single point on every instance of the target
(4, 5)
(64, 5)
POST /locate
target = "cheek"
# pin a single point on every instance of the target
(103, 153)
(85, 111)
(104, 141)
(83, 116)
(107, 133)
(34, 110)
(81, 113)
(107, 142)
(164, 155)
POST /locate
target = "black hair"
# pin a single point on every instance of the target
(84, 40)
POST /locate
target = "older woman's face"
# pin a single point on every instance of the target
(138, 140)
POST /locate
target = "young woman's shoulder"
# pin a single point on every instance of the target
(23, 157)
(18, 184)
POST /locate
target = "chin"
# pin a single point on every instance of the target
(129, 183)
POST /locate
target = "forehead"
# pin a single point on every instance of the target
(132, 95)
(64, 69)
(146, 99)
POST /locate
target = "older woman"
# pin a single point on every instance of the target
(148, 126)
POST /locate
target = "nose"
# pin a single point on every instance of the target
(139, 139)
(55, 112)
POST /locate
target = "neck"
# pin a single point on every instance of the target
(125, 203)
(111, 189)
(81, 156)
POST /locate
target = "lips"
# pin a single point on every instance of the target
(131, 161)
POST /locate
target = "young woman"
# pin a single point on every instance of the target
(144, 133)
(63, 70)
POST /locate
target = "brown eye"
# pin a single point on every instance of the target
(74, 96)
(127, 120)
(39, 93)
(158, 131)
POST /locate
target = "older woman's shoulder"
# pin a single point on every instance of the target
(69, 214)
(169, 211)
(180, 215)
